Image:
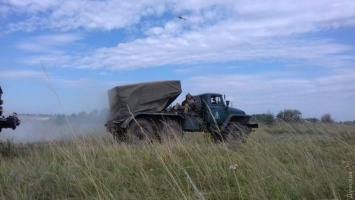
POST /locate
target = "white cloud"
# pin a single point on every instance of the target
(115, 14)
(197, 48)
(4, 11)
(69, 15)
(58, 39)
(47, 43)
(215, 31)
(21, 74)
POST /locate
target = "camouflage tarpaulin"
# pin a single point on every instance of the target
(141, 97)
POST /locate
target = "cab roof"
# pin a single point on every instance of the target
(212, 94)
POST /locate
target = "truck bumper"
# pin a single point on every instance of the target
(253, 125)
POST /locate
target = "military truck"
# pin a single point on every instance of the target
(10, 121)
(141, 112)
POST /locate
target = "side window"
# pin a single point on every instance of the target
(216, 100)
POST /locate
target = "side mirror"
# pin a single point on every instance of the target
(227, 102)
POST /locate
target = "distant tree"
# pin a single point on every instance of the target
(82, 115)
(73, 116)
(327, 118)
(60, 119)
(256, 117)
(312, 119)
(268, 118)
(289, 115)
(94, 114)
(265, 118)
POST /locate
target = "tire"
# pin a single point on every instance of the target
(216, 133)
(198, 105)
(170, 132)
(236, 132)
(118, 134)
(140, 130)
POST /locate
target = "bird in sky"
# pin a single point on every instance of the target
(180, 17)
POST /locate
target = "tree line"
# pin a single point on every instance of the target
(83, 117)
(292, 116)
(96, 116)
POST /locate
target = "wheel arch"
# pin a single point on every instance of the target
(243, 119)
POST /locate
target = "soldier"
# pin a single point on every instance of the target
(187, 104)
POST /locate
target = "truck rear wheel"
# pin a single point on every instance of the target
(140, 130)
(170, 131)
(236, 132)
(118, 134)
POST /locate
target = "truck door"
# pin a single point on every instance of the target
(217, 108)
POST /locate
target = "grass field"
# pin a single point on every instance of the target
(299, 161)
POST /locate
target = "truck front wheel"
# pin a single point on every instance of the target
(236, 132)
(140, 130)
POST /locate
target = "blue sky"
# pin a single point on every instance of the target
(264, 55)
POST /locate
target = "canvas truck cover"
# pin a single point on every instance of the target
(141, 97)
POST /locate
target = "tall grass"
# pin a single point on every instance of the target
(309, 161)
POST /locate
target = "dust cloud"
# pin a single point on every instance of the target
(56, 128)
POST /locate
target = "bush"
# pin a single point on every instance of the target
(289, 115)
(265, 118)
(327, 118)
(312, 119)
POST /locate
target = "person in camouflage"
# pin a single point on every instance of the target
(187, 104)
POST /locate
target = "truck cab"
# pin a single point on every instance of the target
(216, 115)
(213, 108)
(10, 121)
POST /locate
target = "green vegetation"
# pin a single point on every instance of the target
(266, 118)
(292, 116)
(327, 118)
(284, 161)
(289, 115)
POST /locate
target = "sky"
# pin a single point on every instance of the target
(61, 56)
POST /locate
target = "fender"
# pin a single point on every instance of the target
(244, 119)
